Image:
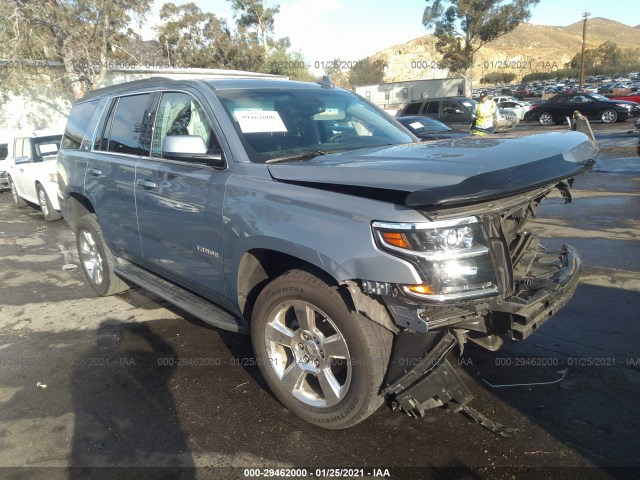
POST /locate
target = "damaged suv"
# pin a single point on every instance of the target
(307, 217)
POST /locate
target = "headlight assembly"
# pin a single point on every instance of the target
(451, 257)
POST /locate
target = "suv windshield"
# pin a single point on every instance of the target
(274, 123)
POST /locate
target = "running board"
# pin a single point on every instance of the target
(178, 296)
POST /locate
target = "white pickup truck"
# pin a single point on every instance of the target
(31, 171)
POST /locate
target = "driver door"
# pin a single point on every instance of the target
(179, 200)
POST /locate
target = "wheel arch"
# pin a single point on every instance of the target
(77, 206)
(259, 266)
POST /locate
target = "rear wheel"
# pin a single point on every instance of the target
(48, 211)
(324, 362)
(609, 116)
(17, 199)
(545, 118)
(96, 259)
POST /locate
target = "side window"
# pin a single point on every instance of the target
(432, 108)
(181, 114)
(451, 108)
(101, 141)
(127, 132)
(77, 122)
(17, 148)
(412, 108)
(26, 148)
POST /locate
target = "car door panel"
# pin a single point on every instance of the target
(110, 175)
(179, 202)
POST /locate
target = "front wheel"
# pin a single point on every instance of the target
(324, 362)
(17, 199)
(545, 118)
(48, 212)
(609, 116)
(96, 259)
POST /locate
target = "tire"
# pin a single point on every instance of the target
(609, 116)
(48, 212)
(332, 384)
(545, 118)
(96, 259)
(17, 199)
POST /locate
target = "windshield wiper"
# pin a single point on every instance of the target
(297, 157)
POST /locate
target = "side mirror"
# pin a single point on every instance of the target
(458, 111)
(22, 160)
(189, 147)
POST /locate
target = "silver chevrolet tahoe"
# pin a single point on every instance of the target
(303, 215)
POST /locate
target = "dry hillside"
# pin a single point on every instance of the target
(528, 48)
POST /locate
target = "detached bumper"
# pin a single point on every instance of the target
(543, 297)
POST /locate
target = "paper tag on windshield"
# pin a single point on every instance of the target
(260, 121)
(415, 125)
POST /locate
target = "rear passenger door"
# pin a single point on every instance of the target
(179, 200)
(122, 139)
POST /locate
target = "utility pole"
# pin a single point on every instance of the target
(585, 16)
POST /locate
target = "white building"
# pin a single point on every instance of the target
(393, 96)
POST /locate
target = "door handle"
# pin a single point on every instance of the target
(95, 172)
(146, 184)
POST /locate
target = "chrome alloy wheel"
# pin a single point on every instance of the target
(42, 200)
(91, 258)
(609, 116)
(308, 353)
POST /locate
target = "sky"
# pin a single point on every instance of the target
(353, 29)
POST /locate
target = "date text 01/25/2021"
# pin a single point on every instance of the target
(317, 472)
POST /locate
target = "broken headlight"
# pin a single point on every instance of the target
(451, 256)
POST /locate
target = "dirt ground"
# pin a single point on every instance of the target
(130, 381)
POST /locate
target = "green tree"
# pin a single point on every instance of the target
(607, 58)
(366, 72)
(192, 38)
(462, 27)
(255, 14)
(498, 77)
(282, 62)
(80, 34)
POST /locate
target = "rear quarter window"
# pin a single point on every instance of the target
(412, 108)
(78, 120)
(127, 133)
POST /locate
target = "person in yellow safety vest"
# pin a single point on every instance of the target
(486, 112)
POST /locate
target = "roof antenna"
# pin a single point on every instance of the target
(326, 82)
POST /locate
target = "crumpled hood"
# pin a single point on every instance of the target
(449, 172)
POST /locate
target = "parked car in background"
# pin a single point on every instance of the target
(4, 181)
(591, 105)
(426, 128)
(31, 171)
(629, 97)
(520, 108)
(454, 111)
(506, 119)
(504, 98)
